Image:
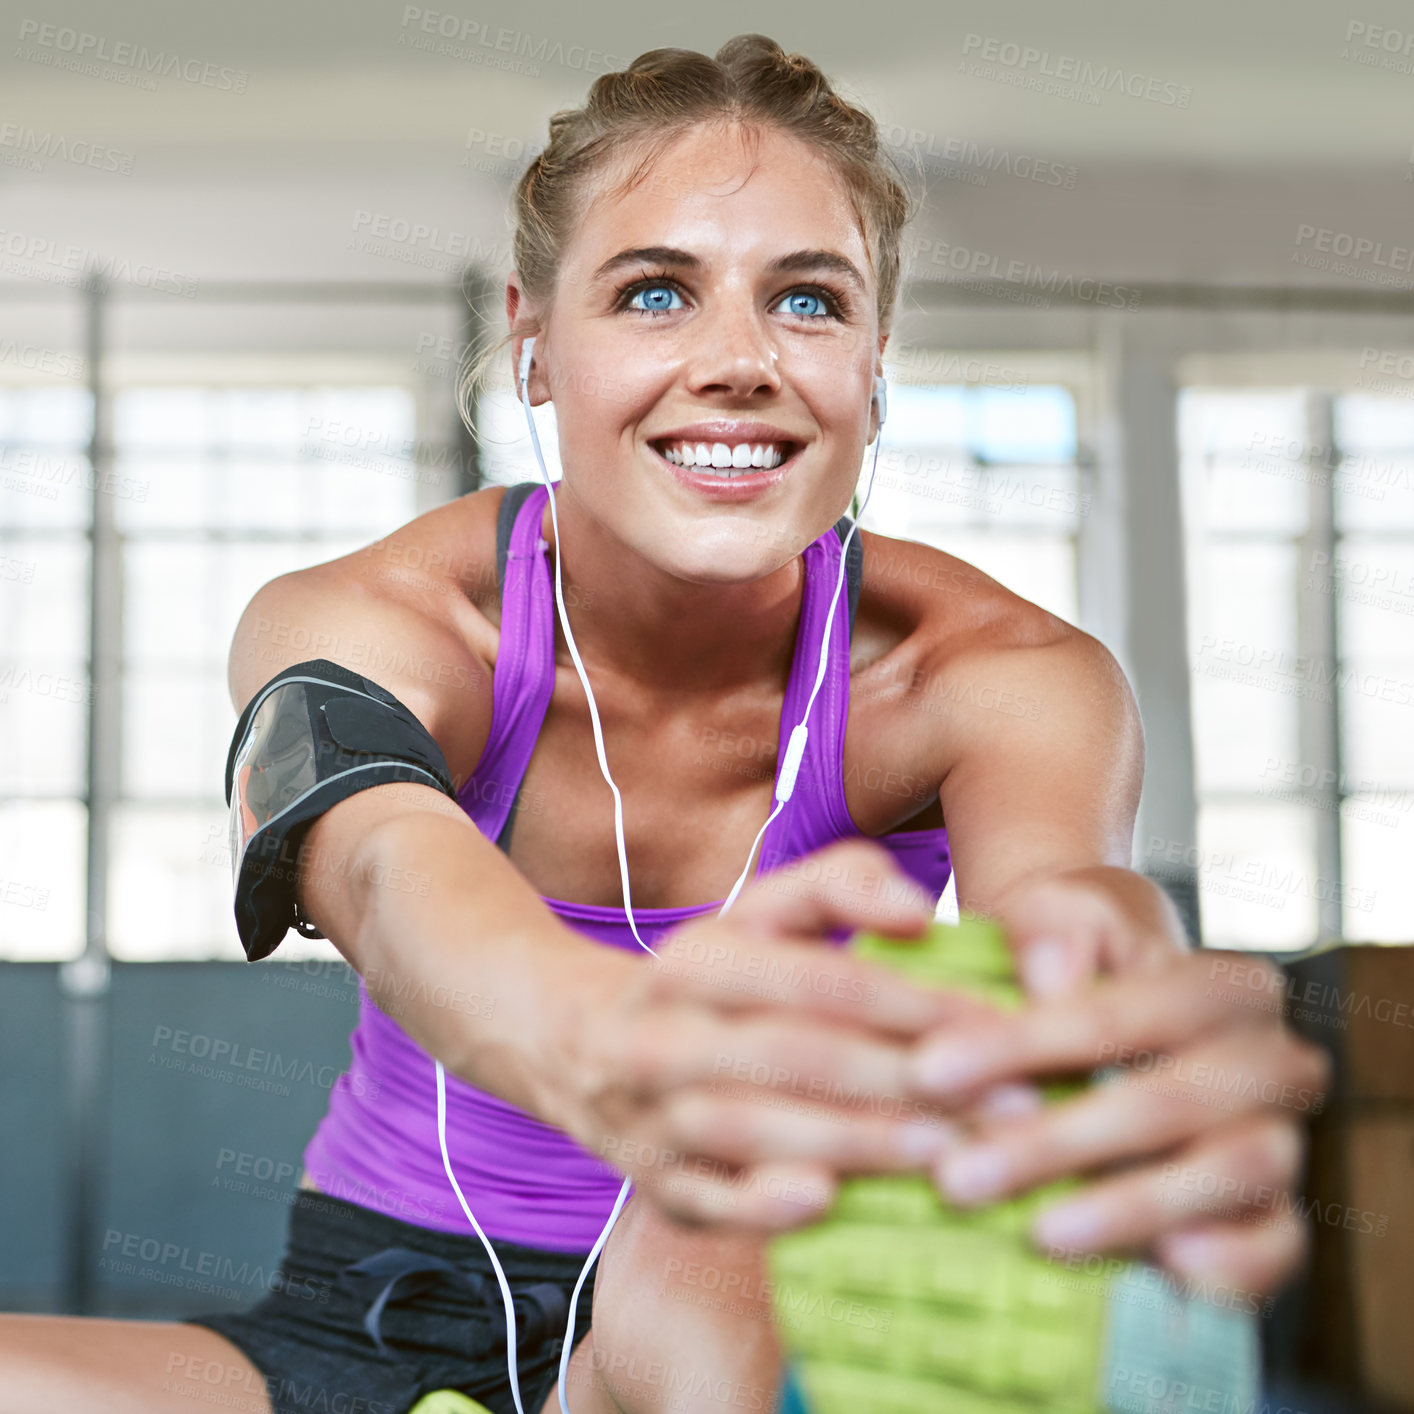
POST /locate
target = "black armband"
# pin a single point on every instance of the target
(314, 735)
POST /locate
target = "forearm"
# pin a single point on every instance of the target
(456, 946)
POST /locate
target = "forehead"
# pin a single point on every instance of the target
(719, 190)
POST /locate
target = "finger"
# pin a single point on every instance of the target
(1241, 1172)
(728, 969)
(1108, 1024)
(1252, 1259)
(1064, 932)
(767, 1197)
(778, 1128)
(848, 884)
(1106, 1123)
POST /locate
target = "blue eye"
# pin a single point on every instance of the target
(804, 303)
(656, 299)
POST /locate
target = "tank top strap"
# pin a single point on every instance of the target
(523, 680)
(816, 812)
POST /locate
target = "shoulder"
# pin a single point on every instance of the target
(976, 660)
(407, 611)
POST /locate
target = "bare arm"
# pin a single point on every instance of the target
(1041, 805)
(1040, 809)
(626, 1055)
(449, 938)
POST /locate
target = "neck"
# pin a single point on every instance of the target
(669, 636)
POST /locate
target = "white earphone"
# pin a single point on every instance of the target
(790, 769)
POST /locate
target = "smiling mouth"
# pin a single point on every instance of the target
(726, 460)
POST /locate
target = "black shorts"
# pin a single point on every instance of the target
(442, 1324)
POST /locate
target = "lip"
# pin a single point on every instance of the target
(721, 488)
(731, 432)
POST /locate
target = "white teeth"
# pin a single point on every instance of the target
(719, 457)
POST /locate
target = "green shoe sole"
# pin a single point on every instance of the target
(898, 1303)
(448, 1401)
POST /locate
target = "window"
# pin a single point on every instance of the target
(45, 488)
(216, 491)
(1299, 511)
(987, 474)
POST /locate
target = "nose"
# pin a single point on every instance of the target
(733, 352)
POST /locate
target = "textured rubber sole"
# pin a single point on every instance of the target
(448, 1401)
(897, 1303)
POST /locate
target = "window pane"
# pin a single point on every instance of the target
(214, 582)
(177, 729)
(44, 705)
(1242, 637)
(42, 890)
(44, 597)
(1375, 488)
(1028, 425)
(1262, 421)
(1255, 493)
(1377, 836)
(507, 456)
(1257, 880)
(1377, 718)
(1246, 464)
(1039, 569)
(1373, 583)
(170, 886)
(317, 460)
(170, 890)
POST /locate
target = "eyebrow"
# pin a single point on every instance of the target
(797, 262)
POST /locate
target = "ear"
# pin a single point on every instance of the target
(877, 372)
(539, 387)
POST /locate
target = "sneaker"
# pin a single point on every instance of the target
(898, 1303)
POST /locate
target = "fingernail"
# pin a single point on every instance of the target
(1190, 1252)
(920, 1143)
(1077, 1224)
(976, 1173)
(1011, 1101)
(1047, 967)
(948, 1067)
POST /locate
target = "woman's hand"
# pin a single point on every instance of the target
(1204, 1108)
(735, 1076)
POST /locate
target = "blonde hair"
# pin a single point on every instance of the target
(662, 94)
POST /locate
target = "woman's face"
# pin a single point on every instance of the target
(725, 303)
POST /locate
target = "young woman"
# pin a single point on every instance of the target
(707, 256)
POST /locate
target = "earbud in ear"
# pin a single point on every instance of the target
(881, 400)
(526, 350)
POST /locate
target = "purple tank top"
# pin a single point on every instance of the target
(526, 1181)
